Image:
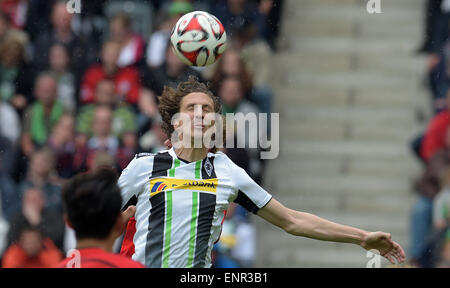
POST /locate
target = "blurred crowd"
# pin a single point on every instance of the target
(78, 91)
(430, 218)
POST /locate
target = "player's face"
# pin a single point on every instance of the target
(196, 106)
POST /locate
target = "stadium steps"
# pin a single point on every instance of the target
(349, 90)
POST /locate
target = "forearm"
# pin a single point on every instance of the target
(312, 226)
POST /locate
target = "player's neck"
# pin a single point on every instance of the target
(191, 154)
(105, 245)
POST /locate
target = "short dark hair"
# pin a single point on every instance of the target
(92, 203)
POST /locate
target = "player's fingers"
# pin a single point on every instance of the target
(127, 214)
(390, 258)
(168, 143)
(401, 251)
(397, 257)
(398, 251)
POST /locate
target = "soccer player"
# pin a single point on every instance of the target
(182, 194)
(92, 208)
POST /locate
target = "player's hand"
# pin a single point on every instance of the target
(127, 214)
(383, 243)
(124, 217)
(168, 143)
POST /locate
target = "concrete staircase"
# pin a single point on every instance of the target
(348, 89)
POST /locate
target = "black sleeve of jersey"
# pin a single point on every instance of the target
(245, 202)
(131, 202)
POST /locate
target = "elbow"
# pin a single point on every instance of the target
(290, 225)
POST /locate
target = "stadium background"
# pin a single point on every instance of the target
(352, 90)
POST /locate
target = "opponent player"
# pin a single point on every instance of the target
(92, 207)
(182, 194)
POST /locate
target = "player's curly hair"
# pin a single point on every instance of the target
(170, 100)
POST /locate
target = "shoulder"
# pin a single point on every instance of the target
(222, 158)
(143, 154)
(140, 162)
(125, 262)
(117, 260)
(107, 259)
(146, 158)
(219, 155)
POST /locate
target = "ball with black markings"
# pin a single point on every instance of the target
(198, 39)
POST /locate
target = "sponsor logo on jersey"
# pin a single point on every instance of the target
(158, 185)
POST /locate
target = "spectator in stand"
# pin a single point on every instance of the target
(232, 95)
(445, 253)
(441, 223)
(441, 204)
(232, 65)
(9, 139)
(16, 11)
(41, 175)
(255, 52)
(32, 250)
(102, 139)
(435, 135)
(271, 11)
(34, 213)
(124, 119)
(132, 45)
(61, 32)
(153, 139)
(4, 227)
(102, 159)
(147, 111)
(9, 196)
(433, 25)
(171, 72)
(62, 143)
(428, 187)
(233, 12)
(127, 150)
(10, 130)
(41, 117)
(157, 44)
(16, 75)
(126, 79)
(60, 68)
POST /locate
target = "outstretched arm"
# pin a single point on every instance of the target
(311, 226)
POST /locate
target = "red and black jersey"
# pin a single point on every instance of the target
(98, 258)
(126, 80)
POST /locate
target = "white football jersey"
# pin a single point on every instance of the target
(181, 205)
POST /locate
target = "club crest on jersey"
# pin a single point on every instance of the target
(208, 167)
